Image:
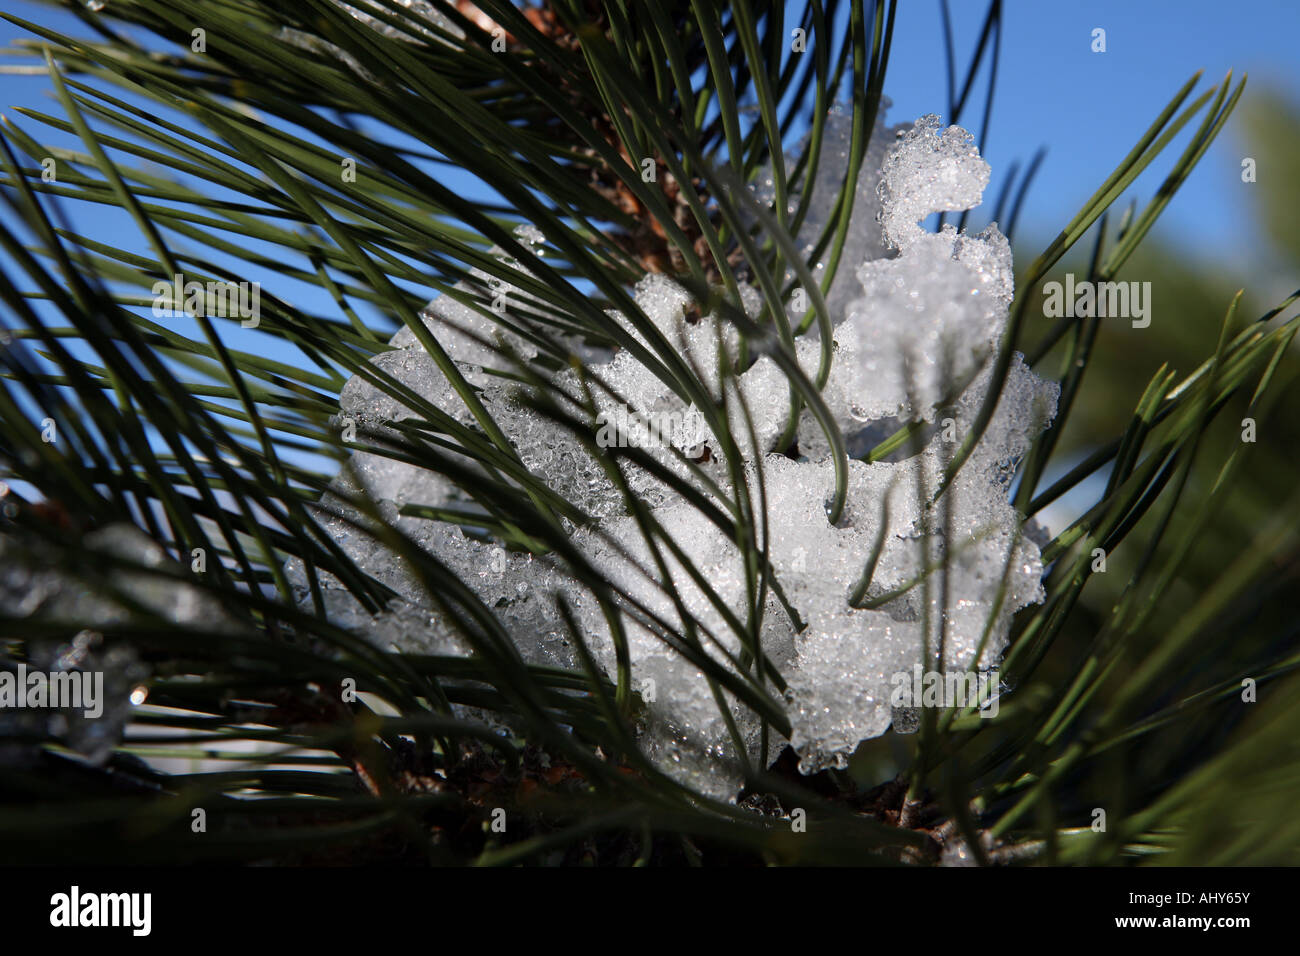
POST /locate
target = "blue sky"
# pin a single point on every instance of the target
(1087, 108)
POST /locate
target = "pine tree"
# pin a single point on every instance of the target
(598, 196)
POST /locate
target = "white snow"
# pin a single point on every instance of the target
(915, 315)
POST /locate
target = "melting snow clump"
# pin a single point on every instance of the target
(916, 317)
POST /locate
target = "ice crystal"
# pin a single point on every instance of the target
(916, 317)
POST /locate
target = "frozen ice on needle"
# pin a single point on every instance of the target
(915, 318)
